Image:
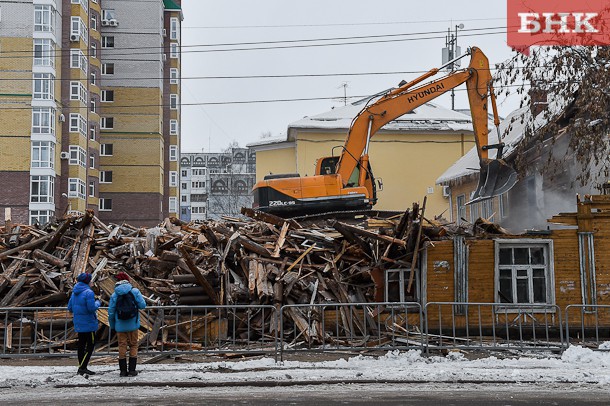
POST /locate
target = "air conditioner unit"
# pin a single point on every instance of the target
(74, 37)
(164, 32)
(113, 23)
(446, 191)
(65, 155)
(105, 23)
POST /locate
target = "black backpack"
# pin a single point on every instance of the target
(126, 307)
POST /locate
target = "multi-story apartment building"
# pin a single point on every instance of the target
(90, 108)
(216, 184)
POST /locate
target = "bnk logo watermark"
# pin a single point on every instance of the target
(558, 22)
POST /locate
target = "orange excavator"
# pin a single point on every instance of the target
(346, 182)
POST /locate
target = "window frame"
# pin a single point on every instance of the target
(108, 41)
(44, 52)
(174, 29)
(173, 127)
(104, 175)
(77, 124)
(549, 266)
(106, 149)
(38, 214)
(105, 94)
(44, 114)
(78, 92)
(173, 205)
(173, 178)
(42, 154)
(174, 101)
(173, 50)
(103, 203)
(47, 21)
(77, 188)
(49, 182)
(46, 84)
(78, 156)
(104, 123)
(174, 76)
(173, 153)
(108, 69)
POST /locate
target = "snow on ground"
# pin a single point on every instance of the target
(576, 365)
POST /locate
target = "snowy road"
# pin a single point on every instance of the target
(579, 376)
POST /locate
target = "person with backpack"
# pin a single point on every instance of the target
(83, 306)
(124, 318)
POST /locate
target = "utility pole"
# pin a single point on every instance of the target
(344, 85)
(450, 52)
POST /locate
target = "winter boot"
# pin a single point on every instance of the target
(132, 366)
(85, 371)
(123, 366)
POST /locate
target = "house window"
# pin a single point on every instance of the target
(184, 198)
(173, 127)
(107, 41)
(198, 185)
(76, 188)
(42, 189)
(40, 216)
(93, 76)
(92, 161)
(94, 22)
(173, 205)
(92, 133)
(524, 271)
(78, 92)
(108, 14)
(184, 173)
(487, 209)
(44, 18)
(105, 176)
(43, 120)
(173, 76)
(199, 198)
(198, 172)
(108, 69)
(475, 212)
(44, 88)
(93, 50)
(78, 60)
(44, 52)
(78, 124)
(43, 154)
(503, 200)
(78, 156)
(107, 123)
(107, 96)
(461, 209)
(184, 185)
(173, 178)
(173, 101)
(173, 152)
(174, 29)
(105, 204)
(173, 50)
(93, 104)
(106, 149)
(91, 188)
(198, 210)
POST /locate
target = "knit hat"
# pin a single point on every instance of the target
(84, 278)
(122, 276)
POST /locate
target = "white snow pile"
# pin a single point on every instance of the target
(576, 365)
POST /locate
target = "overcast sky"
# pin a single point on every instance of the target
(209, 26)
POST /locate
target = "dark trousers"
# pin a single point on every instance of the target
(86, 343)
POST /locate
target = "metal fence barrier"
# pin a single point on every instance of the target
(164, 329)
(344, 327)
(588, 325)
(493, 326)
(350, 327)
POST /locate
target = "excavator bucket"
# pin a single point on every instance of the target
(496, 177)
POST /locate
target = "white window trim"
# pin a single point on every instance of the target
(173, 152)
(103, 200)
(173, 50)
(103, 175)
(81, 124)
(41, 146)
(80, 157)
(103, 151)
(173, 127)
(105, 96)
(549, 276)
(47, 86)
(174, 76)
(173, 178)
(81, 188)
(174, 105)
(174, 29)
(173, 205)
(104, 123)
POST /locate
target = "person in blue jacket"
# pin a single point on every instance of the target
(125, 301)
(83, 306)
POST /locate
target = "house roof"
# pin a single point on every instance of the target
(171, 5)
(428, 117)
(512, 128)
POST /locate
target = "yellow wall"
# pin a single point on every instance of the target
(407, 163)
(275, 161)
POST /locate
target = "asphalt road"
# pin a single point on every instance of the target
(356, 394)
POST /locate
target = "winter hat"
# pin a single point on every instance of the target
(84, 278)
(122, 276)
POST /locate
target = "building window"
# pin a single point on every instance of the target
(199, 198)
(108, 14)
(173, 50)
(107, 96)
(198, 172)
(92, 133)
(173, 101)
(78, 29)
(475, 212)
(524, 271)
(78, 124)
(487, 209)
(184, 173)
(461, 209)
(108, 69)
(198, 210)
(107, 123)
(105, 204)
(94, 23)
(174, 29)
(83, 3)
(503, 200)
(76, 188)
(173, 76)
(241, 187)
(173, 178)
(43, 120)
(173, 205)
(184, 198)
(43, 154)
(40, 216)
(106, 149)
(93, 104)
(184, 185)
(44, 52)
(93, 76)
(105, 176)
(198, 185)
(173, 127)
(93, 50)
(91, 188)
(107, 41)
(91, 161)
(78, 60)
(78, 156)
(78, 92)
(44, 86)
(44, 18)
(173, 152)
(42, 189)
